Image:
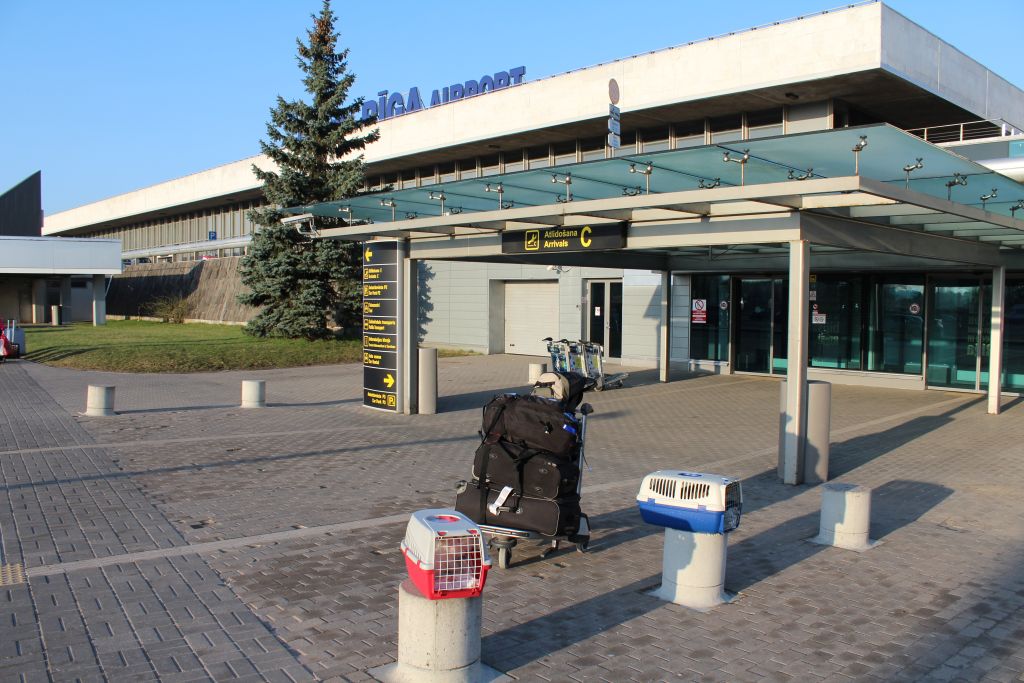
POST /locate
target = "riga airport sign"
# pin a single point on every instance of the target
(396, 104)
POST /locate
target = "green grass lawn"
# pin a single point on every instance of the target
(141, 346)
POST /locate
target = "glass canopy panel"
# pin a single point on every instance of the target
(823, 154)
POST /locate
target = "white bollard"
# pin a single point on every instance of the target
(428, 382)
(100, 401)
(693, 569)
(536, 370)
(254, 393)
(438, 641)
(845, 517)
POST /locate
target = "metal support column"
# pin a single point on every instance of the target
(995, 354)
(665, 339)
(408, 331)
(796, 366)
(99, 300)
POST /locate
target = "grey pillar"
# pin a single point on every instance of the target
(39, 301)
(65, 300)
(796, 368)
(408, 328)
(666, 327)
(99, 300)
(995, 354)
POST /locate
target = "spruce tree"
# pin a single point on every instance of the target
(298, 282)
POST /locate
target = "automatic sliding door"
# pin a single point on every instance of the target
(754, 325)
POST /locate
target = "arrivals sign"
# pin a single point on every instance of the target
(380, 325)
(579, 238)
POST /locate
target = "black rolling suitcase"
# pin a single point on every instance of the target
(545, 516)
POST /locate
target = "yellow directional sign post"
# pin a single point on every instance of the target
(381, 339)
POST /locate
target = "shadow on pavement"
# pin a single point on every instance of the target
(527, 642)
(846, 456)
(198, 467)
(894, 505)
(218, 406)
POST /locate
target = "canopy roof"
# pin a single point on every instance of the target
(813, 173)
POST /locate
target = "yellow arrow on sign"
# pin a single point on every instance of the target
(369, 254)
(389, 381)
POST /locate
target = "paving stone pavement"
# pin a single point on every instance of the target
(940, 599)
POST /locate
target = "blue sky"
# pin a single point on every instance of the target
(109, 96)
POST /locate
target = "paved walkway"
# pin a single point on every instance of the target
(187, 539)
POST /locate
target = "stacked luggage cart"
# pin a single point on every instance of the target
(584, 358)
(527, 471)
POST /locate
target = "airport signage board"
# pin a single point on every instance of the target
(381, 343)
(558, 239)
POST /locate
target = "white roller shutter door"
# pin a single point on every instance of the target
(531, 313)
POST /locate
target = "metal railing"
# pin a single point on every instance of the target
(968, 130)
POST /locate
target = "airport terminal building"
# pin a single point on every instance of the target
(679, 206)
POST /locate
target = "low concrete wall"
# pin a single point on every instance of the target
(212, 288)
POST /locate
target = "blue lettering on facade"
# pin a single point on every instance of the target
(395, 104)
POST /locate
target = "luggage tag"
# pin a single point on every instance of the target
(494, 507)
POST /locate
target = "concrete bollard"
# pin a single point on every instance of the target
(536, 370)
(100, 401)
(254, 393)
(55, 315)
(428, 382)
(438, 640)
(693, 569)
(845, 517)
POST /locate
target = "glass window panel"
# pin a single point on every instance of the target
(427, 175)
(628, 145)
(539, 156)
(655, 139)
(592, 149)
(391, 179)
(490, 165)
(408, 179)
(765, 117)
(467, 169)
(953, 333)
(780, 325)
(565, 152)
(835, 324)
(895, 331)
(689, 134)
(754, 324)
(764, 131)
(726, 128)
(1013, 344)
(710, 340)
(514, 161)
(446, 172)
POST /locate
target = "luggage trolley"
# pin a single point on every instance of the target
(586, 358)
(504, 539)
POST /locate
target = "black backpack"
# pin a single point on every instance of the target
(532, 422)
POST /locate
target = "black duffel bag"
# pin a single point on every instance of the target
(534, 473)
(530, 421)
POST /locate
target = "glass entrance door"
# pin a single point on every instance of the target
(958, 329)
(604, 316)
(753, 324)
